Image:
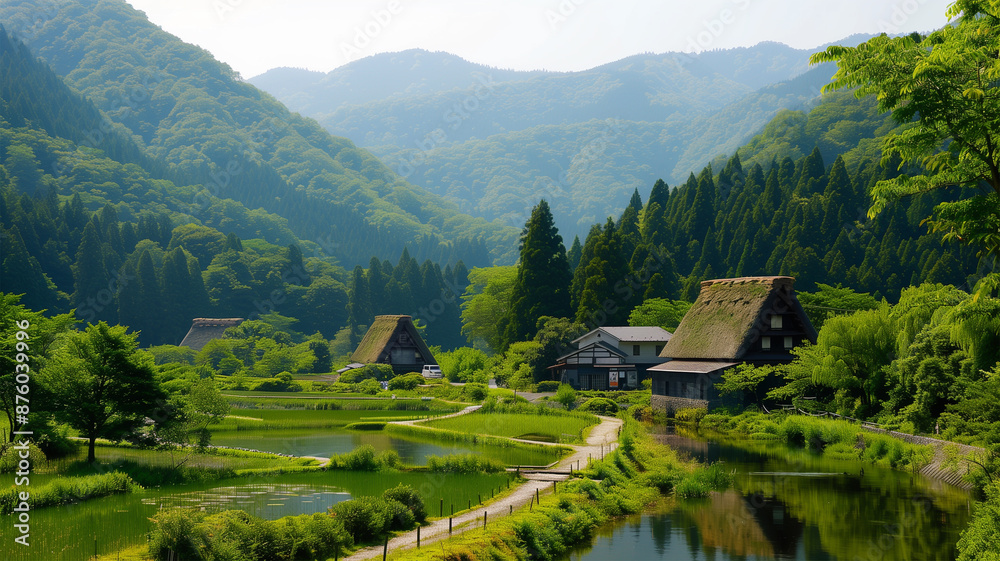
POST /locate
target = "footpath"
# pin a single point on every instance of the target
(602, 439)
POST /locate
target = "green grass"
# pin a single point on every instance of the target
(256, 401)
(70, 490)
(277, 419)
(567, 429)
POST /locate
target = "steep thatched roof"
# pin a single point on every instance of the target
(728, 316)
(204, 330)
(383, 335)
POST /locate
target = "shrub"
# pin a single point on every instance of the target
(369, 386)
(693, 415)
(9, 457)
(475, 392)
(377, 372)
(600, 406)
(548, 386)
(566, 395)
(406, 382)
(409, 497)
(364, 458)
(367, 518)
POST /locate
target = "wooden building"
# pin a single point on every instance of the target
(756, 320)
(395, 341)
(611, 358)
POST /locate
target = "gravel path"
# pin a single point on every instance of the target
(602, 439)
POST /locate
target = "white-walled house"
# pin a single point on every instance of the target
(612, 358)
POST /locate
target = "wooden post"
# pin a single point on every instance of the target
(418, 537)
(538, 498)
(449, 524)
(553, 487)
(470, 503)
(511, 509)
(484, 520)
(480, 498)
(385, 548)
(442, 508)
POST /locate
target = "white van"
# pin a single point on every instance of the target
(431, 371)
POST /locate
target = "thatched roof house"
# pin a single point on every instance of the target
(750, 319)
(394, 340)
(204, 330)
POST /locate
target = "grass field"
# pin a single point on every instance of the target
(547, 428)
(278, 419)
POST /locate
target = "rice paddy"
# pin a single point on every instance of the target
(105, 525)
(567, 429)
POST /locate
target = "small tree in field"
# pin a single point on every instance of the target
(566, 395)
(102, 385)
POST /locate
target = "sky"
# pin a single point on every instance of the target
(253, 36)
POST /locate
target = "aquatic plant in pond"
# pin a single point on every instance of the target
(108, 524)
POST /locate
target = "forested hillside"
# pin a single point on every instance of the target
(494, 141)
(215, 131)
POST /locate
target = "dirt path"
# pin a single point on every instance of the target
(602, 439)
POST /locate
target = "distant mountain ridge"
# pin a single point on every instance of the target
(468, 132)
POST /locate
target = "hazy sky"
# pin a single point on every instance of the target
(253, 36)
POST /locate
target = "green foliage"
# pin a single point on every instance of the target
(978, 541)
(103, 364)
(516, 368)
(406, 382)
(367, 518)
(542, 282)
(71, 490)
(238, 536)
(600, 406)
(364, 458)
(566, 395)
(703, 480)
(464, 463)
(829, 301)
(936, 83)
(378, 372)
(409, 497)
(547, 386)
(485, 303)
(745, 379)
(659, 312)
(692, 415)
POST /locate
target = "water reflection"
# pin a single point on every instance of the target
(792, 505)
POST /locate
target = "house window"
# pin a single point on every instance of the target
(788, 342)
(635, 350)
(659, 349)
(775, 321)
(765, 343)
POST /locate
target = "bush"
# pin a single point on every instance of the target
(364, 458)
(409, 497)
(281, 383)
(475, 392)
(377, 372)
(600, 406)
(235, 535)
(367, 518)
(369, 386)
(566, 395)
(9, 457)
(693, 415)
(406, 382)
(548, 386)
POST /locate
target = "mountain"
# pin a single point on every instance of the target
(494, 141)
(214, 131)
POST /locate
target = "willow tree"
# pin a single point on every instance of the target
(944, 89)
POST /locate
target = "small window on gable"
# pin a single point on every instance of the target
(788, 342)
(635, 350)
(775, 321)
(765, 343)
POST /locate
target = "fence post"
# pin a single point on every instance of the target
(449, 524)
(385, 547)
(442, 508)
(418, 537)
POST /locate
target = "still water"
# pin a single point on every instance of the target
(412, 450)
(76, 532)
(791, 504)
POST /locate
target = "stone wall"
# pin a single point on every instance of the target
(670, 403)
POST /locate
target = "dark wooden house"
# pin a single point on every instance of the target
(395, 341)
(756, 320)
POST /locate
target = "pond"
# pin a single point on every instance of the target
(412, 450)
(75, 532)
(791, 504)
